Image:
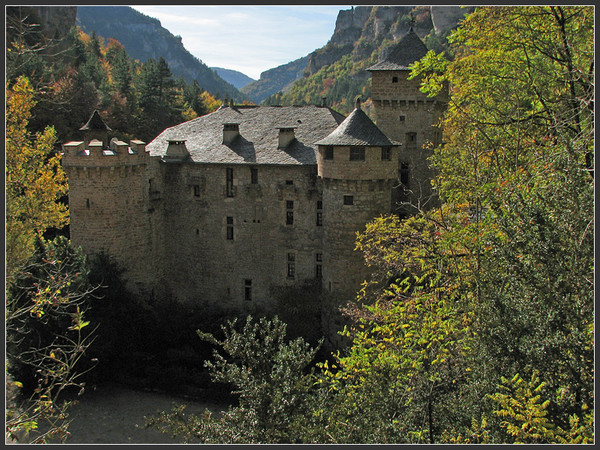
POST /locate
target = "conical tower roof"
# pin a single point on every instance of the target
(95, 123)
(400, 56)
(356, 129)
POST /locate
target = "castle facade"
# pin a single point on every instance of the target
(222, 209)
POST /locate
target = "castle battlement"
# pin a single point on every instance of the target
(96, 154)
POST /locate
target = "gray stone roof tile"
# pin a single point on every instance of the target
(259, 135)
(357, 129)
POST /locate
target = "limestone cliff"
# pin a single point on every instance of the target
(359, 31)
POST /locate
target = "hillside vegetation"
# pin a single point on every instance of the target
(337, 71)
(144, 38)
(136, 99)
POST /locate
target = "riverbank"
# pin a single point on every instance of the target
(114, 414)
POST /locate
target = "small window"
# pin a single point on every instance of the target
(319, 219)
(411, 140)
(319, 204)
(318, 271)
(289, 182)
(230, 228)
(196, 190)
(254, 175)
(87, 203)
(319, 257)
(394, 79)
(357, 153)
(328, 153)
(291, 265)
(348, 199)
(289, 214)
(247, 289)
(229, 182)
(402, 118)
(386, 153)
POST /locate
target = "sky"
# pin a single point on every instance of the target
(248, 38)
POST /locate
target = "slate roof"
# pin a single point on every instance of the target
(95, 123)
(401, 55)
(357, 129)
(259, 135)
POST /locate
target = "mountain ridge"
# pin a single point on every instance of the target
(233, 77)
(360, 32)
(144, 38)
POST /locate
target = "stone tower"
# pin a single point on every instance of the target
(409, 117)
(108, 191)
(357, 165)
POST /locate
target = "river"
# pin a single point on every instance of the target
(114, 414)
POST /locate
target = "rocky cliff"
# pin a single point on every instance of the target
(359, 31)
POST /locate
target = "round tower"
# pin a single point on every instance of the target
(358, 165)
(408, 116)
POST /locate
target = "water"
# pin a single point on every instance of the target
(114, 414)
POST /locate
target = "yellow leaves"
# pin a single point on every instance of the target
(35, 180)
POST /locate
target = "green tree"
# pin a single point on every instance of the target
(499, 278)
(269, 374)
(518, 156)
(46, 340)
(412, 346)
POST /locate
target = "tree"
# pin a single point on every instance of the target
(411, 352)
(518, 155)
(269, 375)
(497, 280)
(35, 181)
(46, 340)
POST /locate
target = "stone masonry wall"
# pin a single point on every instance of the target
(409, 117)
(107, 203)
(205, 267)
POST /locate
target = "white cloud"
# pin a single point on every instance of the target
(250, 39)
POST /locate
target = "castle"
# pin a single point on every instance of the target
(221, 209)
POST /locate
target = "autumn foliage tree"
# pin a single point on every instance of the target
(508, 256)
(35, 181)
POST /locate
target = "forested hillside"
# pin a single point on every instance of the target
(337, 70)
(237, 79)
(144, 38)
(78, 73)
(275, 80)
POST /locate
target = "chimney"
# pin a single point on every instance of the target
(176, 150)
(230, 132)
(286, 136)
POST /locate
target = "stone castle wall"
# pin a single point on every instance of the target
(203, 264)
(409, 117)
(107, 202)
